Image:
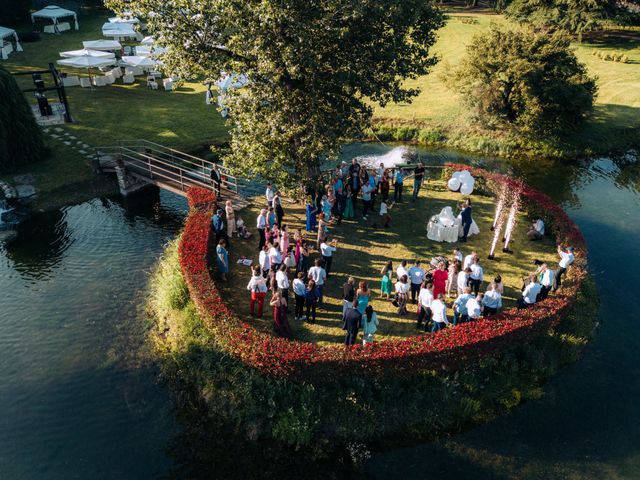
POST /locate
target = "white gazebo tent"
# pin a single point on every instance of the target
(87, 62)
(119, 30)
(104, 45)
(55, 13)
(141, 62)
(87, 52)
(8, 33)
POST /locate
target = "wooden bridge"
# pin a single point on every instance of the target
(147, 163)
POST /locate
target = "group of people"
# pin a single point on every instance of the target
(285, 269)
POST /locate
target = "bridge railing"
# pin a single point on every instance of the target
(189, 166)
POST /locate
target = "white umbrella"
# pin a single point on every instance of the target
(148, 40)
(102, 45)
(86, 62)
(138, 61)
(118, 30)
(232, 81)
(87, 52)
(145, 51)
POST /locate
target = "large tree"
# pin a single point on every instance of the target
(315, 67)
(525, 82)
(573, 16)
(21, 140)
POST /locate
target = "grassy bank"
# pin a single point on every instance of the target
(229, 410)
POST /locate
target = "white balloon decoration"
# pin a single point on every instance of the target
(453, 184)
(466, 188)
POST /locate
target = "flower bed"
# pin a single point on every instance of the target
(448, 349)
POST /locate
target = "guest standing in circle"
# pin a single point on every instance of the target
(476, 276)
(277, 207)
(463, 280)
(499, 285)
(231, 218)
(384, 186)
(284, 239)
(348, 294)
(222, 259)
(216, 179)
(467, 219)
(369, 325)
(319, 275)
(261, 224)
(454, 270)
(416, 277)
(282, 280)
(280, 320)
(311, 296)
(566, 259)
(311, 212)
(425, 298)
(418, 178)
(303, 260)
(323, 230)
(327, 247)
(269, 194)
(492, 300)
(217, 224)
(440, 276)
(546, 281)
(362, 296)
(351, 321)
(258, 288)
(398, 185)
(402, 294)
(264, 260)
(439, 313)
(386, 283)
(299, 290)
(348, 205)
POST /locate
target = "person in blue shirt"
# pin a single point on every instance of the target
(312, 212)
(460, 313)
(217, 224)
(222, 260)
(351, 321)
(397, 185)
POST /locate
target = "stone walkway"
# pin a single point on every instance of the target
(61, 135)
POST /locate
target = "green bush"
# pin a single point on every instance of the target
(21, 139)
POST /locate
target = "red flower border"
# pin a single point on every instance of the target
(447, 349)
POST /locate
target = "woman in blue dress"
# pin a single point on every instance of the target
(362, 295)
(312, 211)
(326, 208)
(222, 259)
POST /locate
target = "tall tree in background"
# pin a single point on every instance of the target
(527, 83)
(14, 12)
(20, 137)
(315, 67)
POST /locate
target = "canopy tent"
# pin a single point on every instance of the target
(148, 40)
(145, 51)
(8, 33)
(130, 20)
(53, 13)
(118, 30)
(232, 81)
(105, 45)
(87, 62)
(87, 52)
(138, 61)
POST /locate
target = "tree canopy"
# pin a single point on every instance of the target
(526, 82)
(21, 140)
(314, 68)
(572, 16)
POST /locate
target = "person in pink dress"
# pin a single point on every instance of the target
(280, 320)
(440, 276)
(284, 239)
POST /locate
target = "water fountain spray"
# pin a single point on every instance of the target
(511, 222)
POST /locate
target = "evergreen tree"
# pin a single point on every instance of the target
(21, 139)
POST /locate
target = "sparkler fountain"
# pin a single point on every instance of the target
(499, 207)
(511, 222)
(497, 228)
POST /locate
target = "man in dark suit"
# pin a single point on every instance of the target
(216, 179)
(466, 219)
(351, 323)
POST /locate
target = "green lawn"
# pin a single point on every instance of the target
(362, 251)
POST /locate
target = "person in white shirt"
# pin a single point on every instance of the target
(492, 300)
(299, 290)
(269, 193)
(566, 259)
(468, 260)
(460, 312)
(546, 281)
(424, 303)
(366, 199)
(439, 313)
(275, 256)
(258, 288)
(476, 276)
(401, 271)
(261, 224)
(474, 308)
(536, 232)
(457, 255)
(319, 276)
(264, 261)
(327, 248)
(530, 293)
(282, 280)
(416, 276)
(402, 294)
(384, 217)
(463, 280)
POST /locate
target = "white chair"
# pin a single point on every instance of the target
(155, 74)
(99, 81)
(151, 83)
(49, 29)
(135, 71)
(72, 81)
(85, 82)
(128, 78)
(174, 78)
(109, 78)
(167, 83)
(116, 72)
(64, 26)
(5, 50)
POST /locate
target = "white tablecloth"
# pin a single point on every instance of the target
(438, 232)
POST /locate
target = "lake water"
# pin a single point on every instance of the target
(79, 397)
